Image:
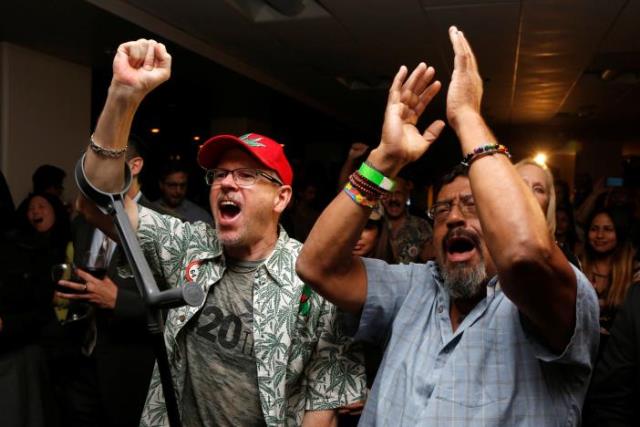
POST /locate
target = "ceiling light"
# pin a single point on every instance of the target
(540, 159)
(155, 130)
(196, 138)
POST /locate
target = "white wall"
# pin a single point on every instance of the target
(44, 116)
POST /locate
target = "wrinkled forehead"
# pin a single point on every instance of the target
(460, 186)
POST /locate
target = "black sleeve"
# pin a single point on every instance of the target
(614, 387)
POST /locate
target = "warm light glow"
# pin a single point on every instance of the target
(155, 130)
(540, 159)
(196, 138)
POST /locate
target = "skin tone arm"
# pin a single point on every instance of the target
(325, 418)
(532, 270)
(138, 68)
(326, 261)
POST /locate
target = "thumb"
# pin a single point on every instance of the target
(433, 131)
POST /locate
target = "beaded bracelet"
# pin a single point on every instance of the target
(106, 152)
(357, 197)
(484, 150)
(367, 188)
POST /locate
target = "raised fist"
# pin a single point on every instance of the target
(141, 66)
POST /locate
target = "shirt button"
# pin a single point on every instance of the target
(440, 309)
(181, 318)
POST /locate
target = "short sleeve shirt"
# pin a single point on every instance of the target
(491, 371)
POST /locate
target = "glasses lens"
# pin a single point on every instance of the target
(245, 177)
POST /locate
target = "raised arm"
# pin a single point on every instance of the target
(326, 262)
(138, 68)
(533, 272)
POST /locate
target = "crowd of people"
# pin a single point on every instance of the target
(512, 300)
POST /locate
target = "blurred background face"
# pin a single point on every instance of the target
(602, 234)
(367, 241)
(174, 188)
(395, 206)
(536, 181)
(40, 214)
(562, 222)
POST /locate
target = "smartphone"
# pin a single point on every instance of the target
(614, 181)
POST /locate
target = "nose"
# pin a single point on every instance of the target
(228, 181)
(455, 218)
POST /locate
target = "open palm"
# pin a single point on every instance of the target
(408, 98)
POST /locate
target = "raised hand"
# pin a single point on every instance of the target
(402, 142)
(465, 91)
(141, 66)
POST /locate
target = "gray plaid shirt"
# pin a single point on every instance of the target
(490, 372)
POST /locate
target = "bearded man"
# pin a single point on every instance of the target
(501, 330)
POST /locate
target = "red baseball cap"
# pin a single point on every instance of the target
(264, 149)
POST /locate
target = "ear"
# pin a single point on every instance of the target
(282, 198)
(136, 164)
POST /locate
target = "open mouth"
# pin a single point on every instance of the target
(37, 221)
(460, 247)
(229, 210)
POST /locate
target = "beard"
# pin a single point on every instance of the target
(464, 281)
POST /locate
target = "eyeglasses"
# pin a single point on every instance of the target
(244, 177)
(440, 210)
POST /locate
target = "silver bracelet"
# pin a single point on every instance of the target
(106, 152)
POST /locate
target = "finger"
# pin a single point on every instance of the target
(427, 96)
(433, 131)
(425, 81)
(396, 85)
(415, 78)
(467, 47)
(460, 60)
(150, 55)
(79, 297)
(72, 285)
(137, 52)
(85, 276)
(163, 59)
(409, 98)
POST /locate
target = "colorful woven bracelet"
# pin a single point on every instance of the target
(375, 176)
(485, 150)
(358, 198)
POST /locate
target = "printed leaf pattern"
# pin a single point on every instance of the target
(304, 362)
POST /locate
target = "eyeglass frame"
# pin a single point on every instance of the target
(210, 172)
(462, 203)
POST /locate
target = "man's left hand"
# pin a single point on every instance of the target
(100, 292)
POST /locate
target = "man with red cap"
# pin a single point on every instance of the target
(262, 349)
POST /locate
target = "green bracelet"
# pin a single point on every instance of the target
(376, 177)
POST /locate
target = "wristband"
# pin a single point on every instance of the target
(484, 150)
(106, 152)
(358, 197)
(376, 177)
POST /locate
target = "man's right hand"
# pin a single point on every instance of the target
(140, 66)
